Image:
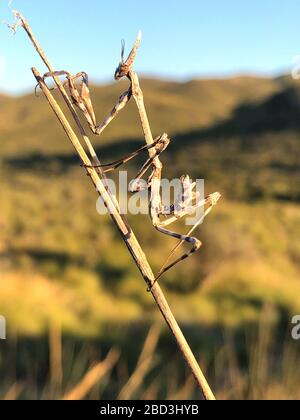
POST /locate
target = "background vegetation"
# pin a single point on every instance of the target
(60, 277)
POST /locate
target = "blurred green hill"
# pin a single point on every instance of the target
(61, 260)
(173, 107)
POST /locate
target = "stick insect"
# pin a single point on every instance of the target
(162, 216)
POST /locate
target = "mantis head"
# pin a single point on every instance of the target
(125, 66)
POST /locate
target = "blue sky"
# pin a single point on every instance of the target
(181, 39)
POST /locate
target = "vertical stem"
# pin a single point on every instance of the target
(131, 243)
(55, 355)
(139, 99)
(113, 206)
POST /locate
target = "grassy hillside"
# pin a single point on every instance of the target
(172, 107)
(63, 267)
(241, 135)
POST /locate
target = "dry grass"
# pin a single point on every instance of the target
(265, 370)
(93, 376)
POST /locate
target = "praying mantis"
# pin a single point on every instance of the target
(162, 216)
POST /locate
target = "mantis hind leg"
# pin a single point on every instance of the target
(211, 201)
(196, 245)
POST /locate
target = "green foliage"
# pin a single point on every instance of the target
(52, 235)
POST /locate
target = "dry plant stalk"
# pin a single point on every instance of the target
(93, 376)
(99, 181)
(55, 355)
(145, 362)
(14, 391)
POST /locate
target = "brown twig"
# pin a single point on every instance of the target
(94, 375)
(55, 354)
(144, 363)
(14, 391)
(113, 208)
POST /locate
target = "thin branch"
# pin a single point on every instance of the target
(94, 375)
(113, 208)
(144, 363)
(14, 391)
(55, 354)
